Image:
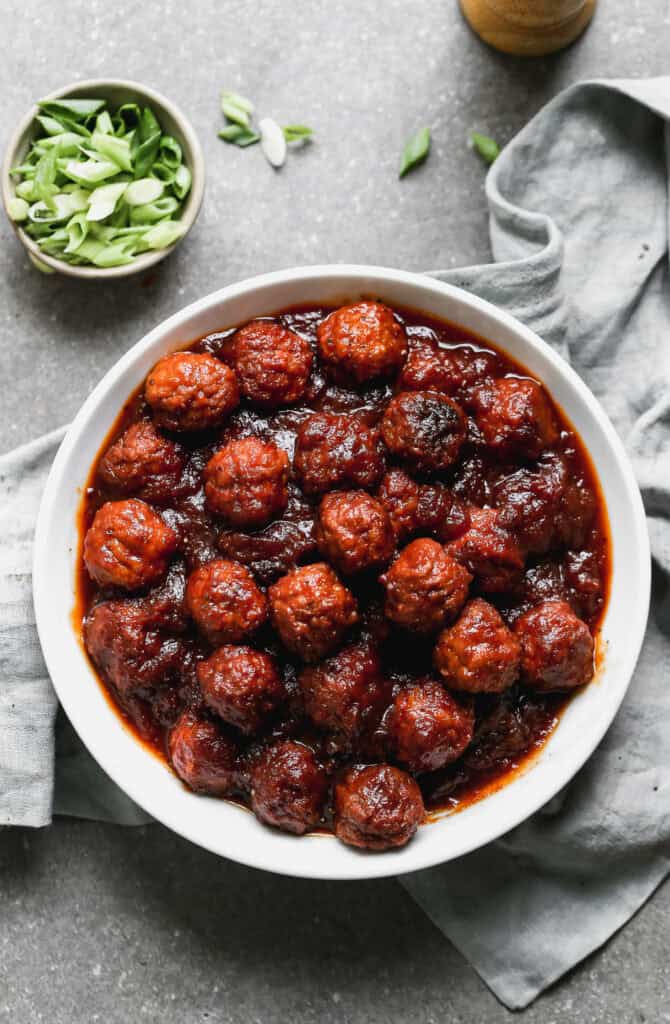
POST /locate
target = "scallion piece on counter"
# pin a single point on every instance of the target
(297, 132)
(236, 108)
(100, 187)
(415, 152)
(488, 148)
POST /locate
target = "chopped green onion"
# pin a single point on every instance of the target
(146, 190)
(100, 187)
(103, 201)
(487, 147)
(297, 132)
(38, 265)
(239, 135)
(415, 152)
(17, 208)
(236, 108)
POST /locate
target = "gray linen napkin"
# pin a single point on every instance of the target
(579, 229)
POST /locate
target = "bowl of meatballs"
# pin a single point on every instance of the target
(341, 572)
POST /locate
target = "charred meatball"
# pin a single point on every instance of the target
(346, 694)
(289, 787)
(556, 647)
(203, 755)
(488, 551)
(191, 391)
(241, 685)
(361, 342)
(272, 363)
(514, 417)
(377, 807)
(312, 610)
(422, 508)
(427, 728)
(337, 451)
(425, 587)
(143, 463)
(128, 545)
(478, 654)
(225, 602)
(128, 647)
(246, 482)
(424, 428)
(354, 531)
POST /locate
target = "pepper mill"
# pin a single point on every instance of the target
(528, 28)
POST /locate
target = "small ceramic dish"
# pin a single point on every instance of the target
(116, 92)
(224, 827)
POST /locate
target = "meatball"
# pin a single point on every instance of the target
(449, 370)
(478, 653)
(424, 587)
(202, 755)
(347, 694)
(143, 463)
(225, 602)
(488, 551)
(311, 610)
(427, 728)
(556, 647)
(576, 514)
(529, 502)
(241, 685)
(424, 428)
(288, 787)
(128, 648)
(377, 807)
(272, 363)
(246, 482)
(514, 417)
(191, 391)
(422, 508)
(128, 545)
(361, 342)
(354, 531)
(337, 451)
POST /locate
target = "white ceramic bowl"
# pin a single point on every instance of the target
(116, 91)
(228, 829)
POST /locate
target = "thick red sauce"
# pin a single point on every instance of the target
(510, 727)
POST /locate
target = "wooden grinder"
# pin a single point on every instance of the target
(528, 28)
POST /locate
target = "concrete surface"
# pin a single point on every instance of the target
(98, 923)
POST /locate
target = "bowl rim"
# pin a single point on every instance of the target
(369, 865)
(189, 214)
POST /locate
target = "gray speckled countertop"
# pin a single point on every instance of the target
(104, 924)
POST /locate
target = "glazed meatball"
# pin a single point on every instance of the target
(311, 610)
(514, 417)
(337, 451)
(191, 391)
(241, 685)
(577, 513)
(272, 363)
(361, 342)
(556, 647)
(422, 508)
(246, 482)
(427, 728)
(424, 428)
(425, 587)
(478, 654)
(225, 602)
(346, 694)
(529, 502)
(128, 648)
(354, 531)
(128, 545)
(488, 551)
(449, 370)
(142, 463)
(203, 755)
(288, 787)
(377, 807)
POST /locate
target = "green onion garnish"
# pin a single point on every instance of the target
(100, 187)
(487, 147)
(415, 152)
